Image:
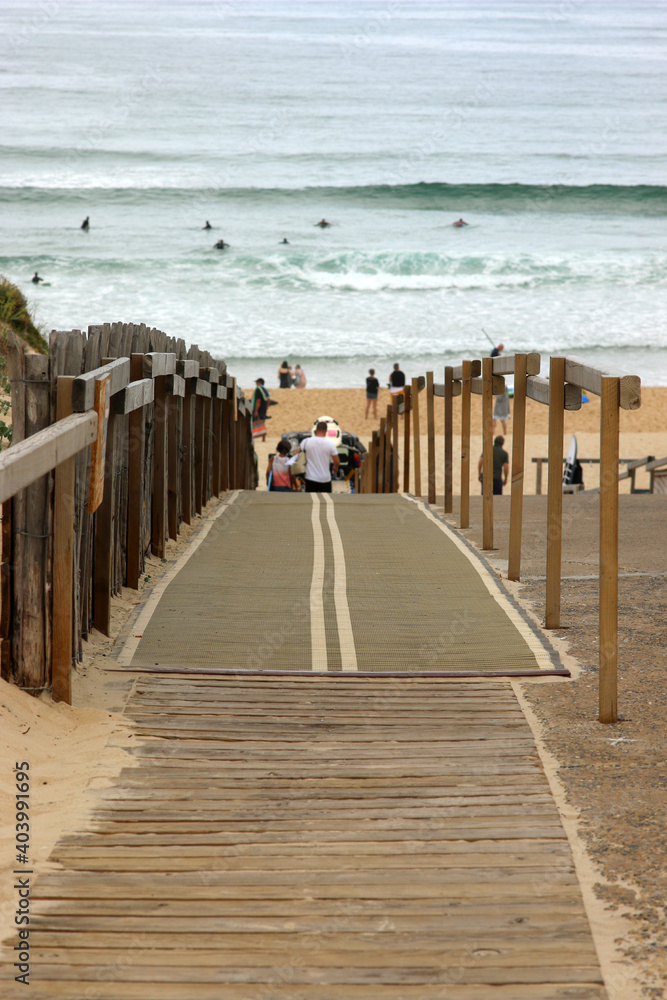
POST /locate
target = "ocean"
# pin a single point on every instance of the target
(542, 124)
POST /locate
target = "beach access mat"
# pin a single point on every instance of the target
(333, 583)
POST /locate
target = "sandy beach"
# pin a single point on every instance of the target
(64, 744)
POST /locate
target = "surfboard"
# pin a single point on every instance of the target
(570, 462)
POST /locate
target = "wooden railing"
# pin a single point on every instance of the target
(568, 377)
(105, 464)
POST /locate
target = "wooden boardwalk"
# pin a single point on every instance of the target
(315, 838)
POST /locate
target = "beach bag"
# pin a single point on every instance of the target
(299, 467)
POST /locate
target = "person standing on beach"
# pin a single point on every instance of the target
(299, 380)
(372, 389)
(396, 381)
(501, 466)
(319, 450)
(261, 400)
(501, 409)
(281, 481)
(285, 376)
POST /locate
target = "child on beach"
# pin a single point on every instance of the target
(281, 481)
(372, 388)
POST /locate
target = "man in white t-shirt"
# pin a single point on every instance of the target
(319, 451)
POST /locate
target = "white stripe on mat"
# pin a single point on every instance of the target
(318, 639)
(348, 653)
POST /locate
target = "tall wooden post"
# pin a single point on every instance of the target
(394, 444)
(449, 440)
(555, 491)
(375, 466)
(518, 458)
(382, 460)
(63, 564)
(407, 395)
(173, 421)
(104, 537)
(416, 442)
(430, 420)
(217, 427)
(199, 453)
(609, 453)
(224, 444)
(233, 423)
(487, 453)
(134, 481)
(464, 518)
(159, 523)
(187, 437)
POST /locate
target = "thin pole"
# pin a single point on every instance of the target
(609, 451)
(394, 444)
(518, 459)
(449, 440)
(407, 395)
(430, 420)
(555, 491)
(415, 437)
(466, 368)
(487, 453)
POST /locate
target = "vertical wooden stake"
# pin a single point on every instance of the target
(487, 453)
(430, 421)
(134, 481)
(382, 448)
(224, 445)
(555, 491)
(159, 503)
(449, 440)
(518, 458)
(375, 466)
(63, 565)
(464, 518)
(609, 452)
(173, 477)
(217, 426)
(199, 454)
(104, 538)
(407, 395)
(394, 444)
(416, 442)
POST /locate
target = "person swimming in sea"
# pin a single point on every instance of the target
(36, 279)
(86, 223)
(284, 240)
(460, 223)
(323, 224)
(208, 225)
(221, 245)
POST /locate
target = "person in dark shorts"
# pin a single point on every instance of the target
(319, 450)
(372, 389)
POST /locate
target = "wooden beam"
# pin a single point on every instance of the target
(407, 393)
(505, 364)
(487, 452)
(63, 561)
(464, 515)
(609, 429)
(159, 522)
(83, 389)
(203, 388)
(416, 439)
(449, 441)
(187, 369)
(555, 492)
(175, 385)
(518, 459)
(475, 370)
(590, 377)
(497, 384)
(156, 364)
(104, 537)
(537, 388)
(173, 404)
(394, 444)
(211, 375)
(187, 444)
(133, 396)
(430, 423)
(220, 391)
(33, 457)
(135, 476)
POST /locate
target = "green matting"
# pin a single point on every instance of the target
(417, 603)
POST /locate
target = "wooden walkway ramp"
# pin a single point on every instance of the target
(316, 837)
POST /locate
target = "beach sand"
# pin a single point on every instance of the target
(64, 744)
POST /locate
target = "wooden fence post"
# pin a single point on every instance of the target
(430, 421)
(555, 491)
(464, 514)
(487, 453)
(407, 395)
(518, 459)
(159, 529)
(609, 454)
(63, 559)
(394, 444)
(199, 453)
(134, 481)
(449, 440)
(104, 537)
(416, 441)
(375, 466)
(217, 426)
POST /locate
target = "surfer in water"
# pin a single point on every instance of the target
(284, 240)
(208, 225)
(459, 224)
(85, 225)
(36, 279)
(221, 245)
(323, 224)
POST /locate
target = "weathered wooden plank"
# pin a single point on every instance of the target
(203, 388)
(134, 396)
(589, 378)
(458, 372)
(187, 369)
(83, 389)
(505, 364)
(159, 363)
(33, 457)
(497, 385)
(539, 389)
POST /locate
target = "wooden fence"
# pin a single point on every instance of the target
(119, 435)
(568, 377)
